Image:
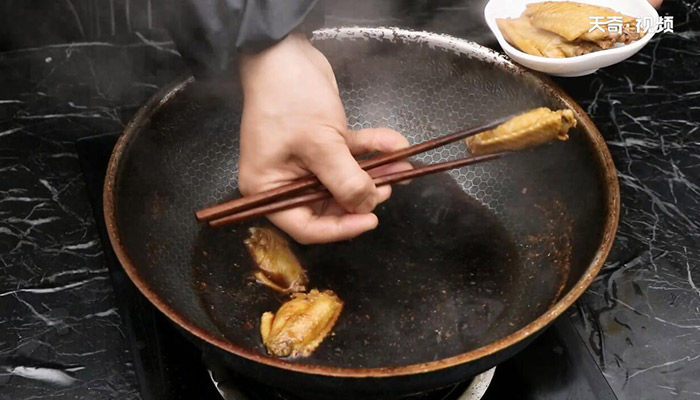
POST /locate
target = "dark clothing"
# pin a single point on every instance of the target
(210, 33)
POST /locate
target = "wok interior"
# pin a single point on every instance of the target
(459, 260)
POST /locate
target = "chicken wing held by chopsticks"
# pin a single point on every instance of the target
(530, 129)
(300, 324)
(279, 267)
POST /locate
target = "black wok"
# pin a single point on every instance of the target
(464, 269)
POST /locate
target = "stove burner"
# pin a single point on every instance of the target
(232, 386)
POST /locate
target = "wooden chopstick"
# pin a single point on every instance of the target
(303, 199)
(258, 199)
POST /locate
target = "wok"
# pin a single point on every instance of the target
(465, 268)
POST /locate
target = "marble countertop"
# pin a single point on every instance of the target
(78, 68)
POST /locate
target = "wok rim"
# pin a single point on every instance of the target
(464, 47)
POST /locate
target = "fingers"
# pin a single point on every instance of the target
(383, 140)
(306, 228)
(325, 222)
(337, 169)
(354, 193)
(352, 187)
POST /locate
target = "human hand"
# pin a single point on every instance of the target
(294, 125)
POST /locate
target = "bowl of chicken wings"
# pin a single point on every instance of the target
(566, 38)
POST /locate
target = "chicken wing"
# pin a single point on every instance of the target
(300, 324)
(520, 33)
(530, 129)
(279, 268)
(572, 21)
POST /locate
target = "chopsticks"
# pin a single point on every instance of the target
(388, 179)
(280, 198)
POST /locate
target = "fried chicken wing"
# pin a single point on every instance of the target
(300, 324)
(279, 268)
(520, 33)
(530, 129)
(572, 21)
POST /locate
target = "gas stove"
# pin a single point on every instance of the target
(556, 366)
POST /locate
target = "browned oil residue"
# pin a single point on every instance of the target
(155, 249)
(556, 243)
(157, 204)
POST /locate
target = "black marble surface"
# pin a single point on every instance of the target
(82, 67)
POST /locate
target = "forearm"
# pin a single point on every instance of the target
(210, 34)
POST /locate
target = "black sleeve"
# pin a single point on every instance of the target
(210, 33)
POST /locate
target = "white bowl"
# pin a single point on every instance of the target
(572, 66)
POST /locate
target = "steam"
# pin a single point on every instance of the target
(459, 18)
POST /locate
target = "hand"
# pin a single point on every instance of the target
(294, 125)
